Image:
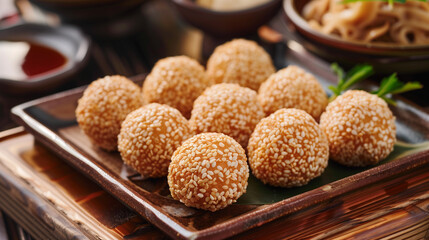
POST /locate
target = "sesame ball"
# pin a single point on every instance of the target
(240, 61)
(149, 136)
(292, 87)
(288, 149)
(227, 108)
(177, 82)
(360, 128)
(209, 171)
(104, 105)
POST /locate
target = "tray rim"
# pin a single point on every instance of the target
(233, 226)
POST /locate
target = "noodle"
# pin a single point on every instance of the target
(371, 21)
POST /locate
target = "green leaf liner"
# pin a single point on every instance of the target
(258, 193)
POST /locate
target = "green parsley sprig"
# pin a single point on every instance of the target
(389, 86)
(346, 80)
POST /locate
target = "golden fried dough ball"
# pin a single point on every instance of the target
(360, 128)
(209, 171)
(149, 136)
(240, 61)
(288, 149)
(104, 105)
(177, 82)
(292, 87)
(227, 108)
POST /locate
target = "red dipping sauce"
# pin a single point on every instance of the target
(23, 61)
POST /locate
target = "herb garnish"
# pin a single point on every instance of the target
(346, 80)
(389, 86)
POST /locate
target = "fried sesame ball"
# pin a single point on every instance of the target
(227, 108)
(240, 61)
(209, 171)
(292, 87)
(360, 128)
(149, 136)
(288, 149)
(177, 82)
(104, 105)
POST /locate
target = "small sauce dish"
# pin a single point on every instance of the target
(36, 57)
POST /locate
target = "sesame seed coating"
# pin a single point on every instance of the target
(149, 136)
(360, 128)
(209, 171)
(227, 108)
(292, 87)
(240, 61)
(288, 149)
(104, 105)
(177, 82)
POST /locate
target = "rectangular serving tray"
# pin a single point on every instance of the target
(52, 121)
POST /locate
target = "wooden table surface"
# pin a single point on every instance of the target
(51, 200)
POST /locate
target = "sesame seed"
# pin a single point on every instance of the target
(103, 107)
(292, 87)
(272, 163)
(177, 82)
(240, 61)
(222, 106)
(370, 131)
(142, 142)
(201, 177)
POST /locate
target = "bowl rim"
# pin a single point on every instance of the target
(192, 5)
(72, 65)
(296, 18)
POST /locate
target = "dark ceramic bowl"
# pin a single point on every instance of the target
(67, 40)
(385, 58)
(227, 23)
(88, 10)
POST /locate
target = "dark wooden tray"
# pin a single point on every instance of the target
(52, 121)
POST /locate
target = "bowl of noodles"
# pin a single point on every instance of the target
(391, 37)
